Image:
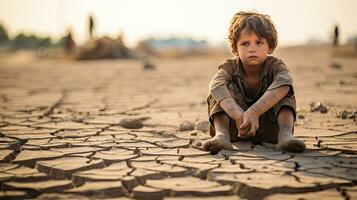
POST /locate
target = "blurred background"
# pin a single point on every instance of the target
(94, 29)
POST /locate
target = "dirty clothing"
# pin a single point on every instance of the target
(228, 82)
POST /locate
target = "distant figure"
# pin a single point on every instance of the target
(69, 44)
(91, 26)
(335, 36)
(251, 96)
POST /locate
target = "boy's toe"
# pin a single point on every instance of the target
(214, 149)
(206, 145)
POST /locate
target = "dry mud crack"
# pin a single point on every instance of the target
(139, 135)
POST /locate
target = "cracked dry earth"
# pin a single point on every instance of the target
(109, 129)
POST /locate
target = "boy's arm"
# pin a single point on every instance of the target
(269, 99)
(218, 89)
(233, 110)
(251, 116)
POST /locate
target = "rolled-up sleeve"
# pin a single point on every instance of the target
(218, 85)
(281, 77)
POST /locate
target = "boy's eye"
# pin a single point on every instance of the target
(260, 42)
(244, 43)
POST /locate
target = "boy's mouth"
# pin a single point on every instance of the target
(253, 57)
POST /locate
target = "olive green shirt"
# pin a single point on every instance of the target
(273, 75)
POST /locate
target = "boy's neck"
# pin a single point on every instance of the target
(252, 71)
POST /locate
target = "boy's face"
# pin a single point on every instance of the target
(252, 50)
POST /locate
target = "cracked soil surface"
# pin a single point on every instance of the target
(110, 129)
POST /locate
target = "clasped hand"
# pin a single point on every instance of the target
(248, 124)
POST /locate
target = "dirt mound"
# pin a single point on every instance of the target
(104, 48)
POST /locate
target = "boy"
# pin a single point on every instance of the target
(251, 96)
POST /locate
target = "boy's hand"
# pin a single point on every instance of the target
(239, 121)
(250, 124)
(243, 132)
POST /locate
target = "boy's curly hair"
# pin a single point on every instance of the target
(252, 22)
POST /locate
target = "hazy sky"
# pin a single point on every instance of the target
(296, 21)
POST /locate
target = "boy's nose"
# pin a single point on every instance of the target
(251, 49)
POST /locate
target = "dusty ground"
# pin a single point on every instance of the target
(109, 129)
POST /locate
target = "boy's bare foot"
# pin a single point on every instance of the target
(218, 142)
(288, 143)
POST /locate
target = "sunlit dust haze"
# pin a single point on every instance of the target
(297, 21)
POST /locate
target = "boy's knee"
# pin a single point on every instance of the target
(286, 108)
(287, 104)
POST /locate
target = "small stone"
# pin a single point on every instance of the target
(319, 143)
(348, 115)
(131, 123)
(148, 66)
(345, 114)
(323, 109)
(313, 106)
(193, 133)
(233, 162)
(319, 107)
(335, 65)
(301, 116)
(186, 126)
(202, 125)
